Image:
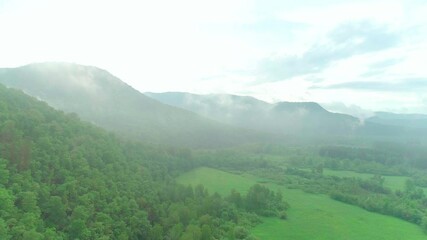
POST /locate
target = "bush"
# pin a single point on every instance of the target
(283, 215)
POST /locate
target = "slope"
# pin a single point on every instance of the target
(62, 178)
(99, 97)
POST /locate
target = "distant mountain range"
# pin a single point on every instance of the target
(191, 120)
(293, 118)
(99, 97)
(289, 118)
(418, 121)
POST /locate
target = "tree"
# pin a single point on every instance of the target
(55, 213)
(176, 231)
(4, 172)
(206, 232)
(77, 230)
(4, 230)
(32, 235)
(6, 202)
(200, 192)
(52, 234)
(185, 215)
(261, 200)
(235, 198)
(27, 201)
(193, 232)
(80, 213)
(257, 198)
(156, 232)
(240, 232)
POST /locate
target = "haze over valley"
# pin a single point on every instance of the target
(209, 120)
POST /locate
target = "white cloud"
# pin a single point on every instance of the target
(352, 109)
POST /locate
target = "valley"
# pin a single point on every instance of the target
(239, 169)
(213, 120)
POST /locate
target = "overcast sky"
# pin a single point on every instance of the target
(348, 55)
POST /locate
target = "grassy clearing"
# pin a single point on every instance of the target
(216, 181)
(311, 216)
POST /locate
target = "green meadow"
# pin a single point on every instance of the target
(311, 216)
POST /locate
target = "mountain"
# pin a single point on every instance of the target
(289, 118)
(403, 120)
(52, 163)
(62, 178)
(297, 119)
(101, 98)
(229, 109)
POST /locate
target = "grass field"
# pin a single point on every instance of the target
(311, 216)
(392, 182)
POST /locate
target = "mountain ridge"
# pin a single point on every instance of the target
(101, 98)
(191, 120)
(289, 118)
(248, 112)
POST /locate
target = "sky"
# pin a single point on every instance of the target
(350, 56)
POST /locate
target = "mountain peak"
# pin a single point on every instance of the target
(298, 106)
(53, 78)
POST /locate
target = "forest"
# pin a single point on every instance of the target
(61, 178)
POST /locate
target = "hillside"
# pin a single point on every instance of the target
(101, 98)
(61, 178)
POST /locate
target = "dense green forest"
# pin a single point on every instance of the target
(61, 178)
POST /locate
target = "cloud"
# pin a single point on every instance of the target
(352, 109)
(345, 41)
(405, 85)
(385, 63)
(381, 66)
(272, 25)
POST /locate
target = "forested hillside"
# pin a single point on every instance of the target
(61, 178)
(101, 98)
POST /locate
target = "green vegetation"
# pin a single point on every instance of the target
(310, 216)
(392, 182)
(303, 168)
(62, 179)
(216, 181)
